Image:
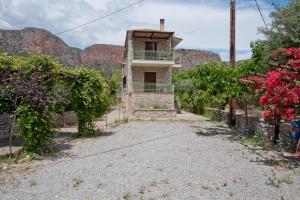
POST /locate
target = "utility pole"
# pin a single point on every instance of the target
(231, 115)
(232, 32)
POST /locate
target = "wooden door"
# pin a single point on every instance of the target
(150, 82)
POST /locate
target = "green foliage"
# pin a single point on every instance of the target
(261, 140)
(29, 92)
(36, 87)
(36, 128)
(116, 84)
(89, 98)
(211, 85)
(284, 30)
(207, 85)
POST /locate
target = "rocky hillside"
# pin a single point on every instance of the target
(103, 56)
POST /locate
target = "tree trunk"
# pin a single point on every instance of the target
(276, 130)
(231, 114)
(246, 115)
(11, 134)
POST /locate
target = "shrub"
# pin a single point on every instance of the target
(89, 98)
(36, 128)
(29, 87)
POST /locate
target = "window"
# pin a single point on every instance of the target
(150, 50)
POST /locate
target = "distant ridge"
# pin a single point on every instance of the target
(105, 57)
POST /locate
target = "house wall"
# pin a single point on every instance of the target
(135, 74)
(163, 74)
(152, 101)
(162, 44)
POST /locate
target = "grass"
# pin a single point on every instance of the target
(16, 157)
(275, 181)
(119, 122)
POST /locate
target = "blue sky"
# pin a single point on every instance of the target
(203, 24)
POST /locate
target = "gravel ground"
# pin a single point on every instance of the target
(152, 160)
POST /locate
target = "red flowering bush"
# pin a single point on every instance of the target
(280, 86)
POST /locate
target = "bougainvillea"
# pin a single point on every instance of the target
(280, 86)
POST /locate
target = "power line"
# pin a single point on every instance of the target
(91, 21)
(97, 19)
(263, 19)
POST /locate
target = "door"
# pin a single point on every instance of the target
(151, 50)
(150, 82)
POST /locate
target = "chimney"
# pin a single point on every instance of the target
(162, 24)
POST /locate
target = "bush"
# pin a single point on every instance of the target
(29, 89)
(89, 98)
(36, 128)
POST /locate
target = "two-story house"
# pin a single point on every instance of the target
(147, 74)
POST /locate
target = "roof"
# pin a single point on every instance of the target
(151, 33)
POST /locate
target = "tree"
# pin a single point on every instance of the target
(116, 84)
(280, 88)
(89, 97)
(29, 89)
(284, 31)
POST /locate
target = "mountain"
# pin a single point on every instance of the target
(106, 57)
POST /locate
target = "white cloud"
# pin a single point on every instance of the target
(202, 24)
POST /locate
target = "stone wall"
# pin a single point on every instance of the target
(152, 100)
(162, 44)
(62, 120)
(5, 125)
(256, 124)
(65, 119)
(163, 74)
(154, 113)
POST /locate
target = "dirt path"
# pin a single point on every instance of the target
(153, 160)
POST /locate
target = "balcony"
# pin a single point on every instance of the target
(156, 58)
(153, 87)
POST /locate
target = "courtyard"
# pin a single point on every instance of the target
(152, 160)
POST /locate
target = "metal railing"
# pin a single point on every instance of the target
(157, 55)
(153, 87)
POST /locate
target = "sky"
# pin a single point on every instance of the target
(203, 24)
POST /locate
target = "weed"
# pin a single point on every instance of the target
(127, 196)
(261, 140)
(164, 195)
(276, 181)
(77, 182)
(153, 184)
(287, 179)
(142, 189)
(119, 122)
(141, 105)
(32, 183)
(165, 181)
(205, 187)
(231, 193)
(2, 180)
(14, 159)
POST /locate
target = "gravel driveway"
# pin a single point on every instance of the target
(153, 160)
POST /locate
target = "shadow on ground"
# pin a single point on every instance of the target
(16, 142)
(214, 131)
(62, 143)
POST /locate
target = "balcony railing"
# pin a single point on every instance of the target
(153, 87)
(157, 55)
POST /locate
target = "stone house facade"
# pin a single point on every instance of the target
(147, 73)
